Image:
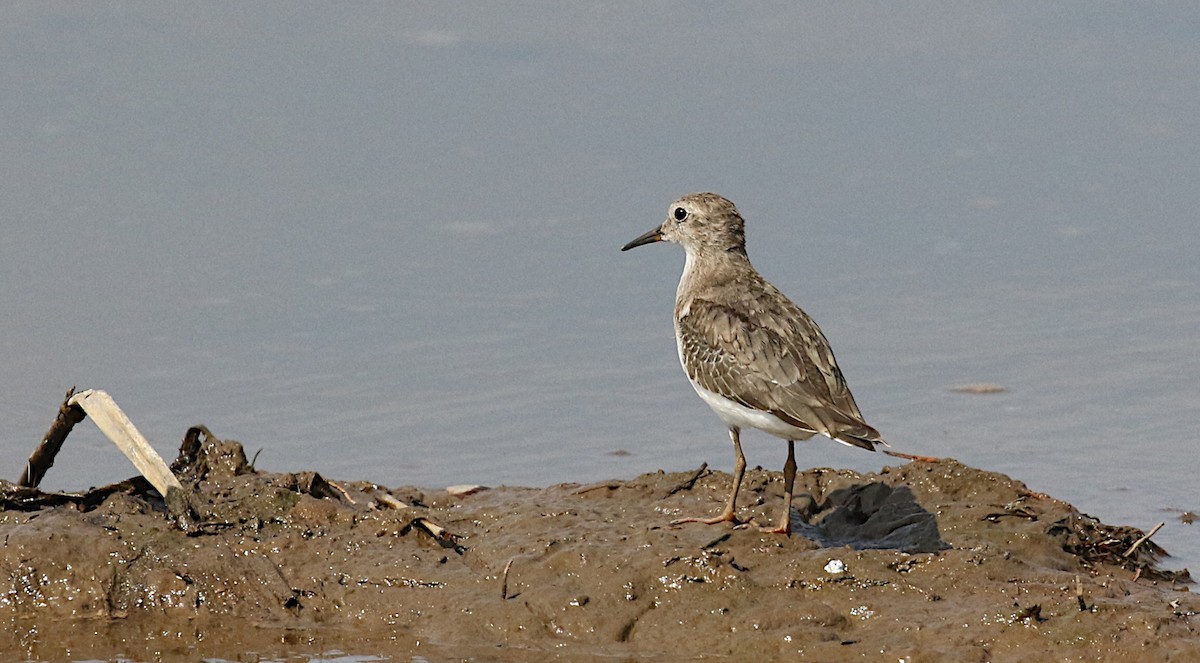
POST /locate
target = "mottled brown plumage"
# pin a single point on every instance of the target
(756, 358)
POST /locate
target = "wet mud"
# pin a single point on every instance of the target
(927, 561)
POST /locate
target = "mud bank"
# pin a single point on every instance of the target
(920, 562)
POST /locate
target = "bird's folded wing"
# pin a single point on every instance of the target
(777, 361)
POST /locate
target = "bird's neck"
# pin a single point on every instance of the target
(703, 269)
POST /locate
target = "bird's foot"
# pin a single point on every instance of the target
(779, 529)
(919, 459)
(725, 517)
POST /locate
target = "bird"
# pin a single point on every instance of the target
(752, 355)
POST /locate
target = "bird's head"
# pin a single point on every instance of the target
(701, 223)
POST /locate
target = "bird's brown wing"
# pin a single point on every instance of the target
(777, 361)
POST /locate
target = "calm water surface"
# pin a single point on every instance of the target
(382, 243)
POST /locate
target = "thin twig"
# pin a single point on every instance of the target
(1079, 595)
(504, 579)
(438, 533)
(345, 493)
(68, 415)
(1143, 540)
(389, 501)
(687, 484)
(610, 485)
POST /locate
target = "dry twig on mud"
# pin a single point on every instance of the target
(687, 483)
(117, 427)
(1083, 607)
(504, 579)
(1142, 540)
(386, 499)
(42, 459)
(435, 531)
(611, 485)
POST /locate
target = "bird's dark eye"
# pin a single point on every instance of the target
(680, 214)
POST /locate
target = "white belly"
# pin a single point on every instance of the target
(739, 416)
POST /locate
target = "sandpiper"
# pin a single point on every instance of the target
(751, 354)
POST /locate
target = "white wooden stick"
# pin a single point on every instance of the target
(117, 427)
(1143, 539)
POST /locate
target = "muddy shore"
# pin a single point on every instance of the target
(925, 561)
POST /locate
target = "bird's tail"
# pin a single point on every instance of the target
(859, 435)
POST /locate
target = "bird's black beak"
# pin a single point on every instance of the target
(649, 238)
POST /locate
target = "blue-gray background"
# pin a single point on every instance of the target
(381, 240)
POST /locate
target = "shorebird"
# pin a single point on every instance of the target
(751, 354)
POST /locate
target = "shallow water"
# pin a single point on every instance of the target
(385, 245)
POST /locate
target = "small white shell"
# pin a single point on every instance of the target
(836, 566)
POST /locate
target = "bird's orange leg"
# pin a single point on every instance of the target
(739, 470)
(789, 479)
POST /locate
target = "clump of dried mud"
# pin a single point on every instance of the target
(922, 562)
